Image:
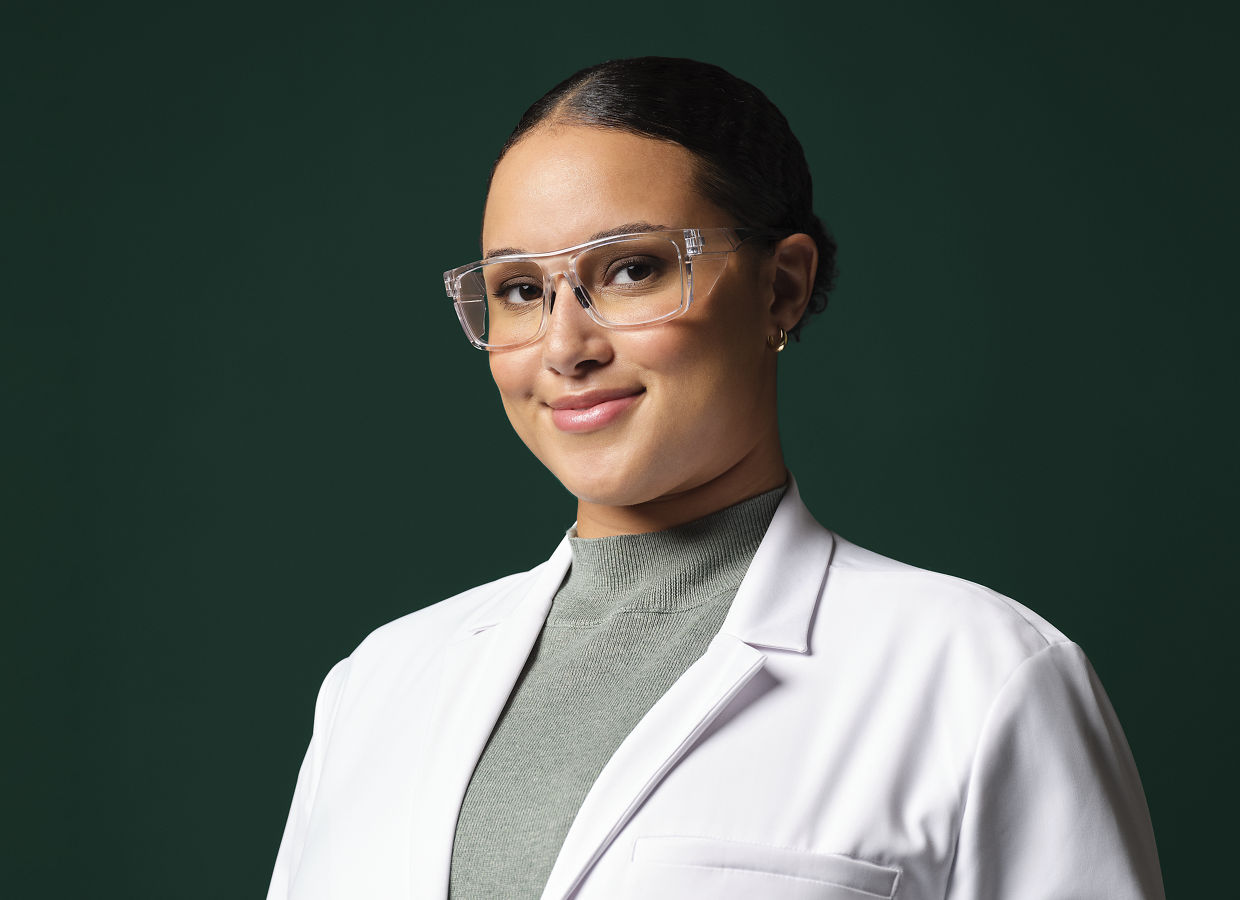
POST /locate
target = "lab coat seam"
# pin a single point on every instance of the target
(323, 739)
(345, 667)
(347, 672)
(963, 806)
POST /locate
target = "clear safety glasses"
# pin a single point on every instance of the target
(625, 281)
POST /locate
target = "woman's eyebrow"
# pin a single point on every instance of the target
(627, 228)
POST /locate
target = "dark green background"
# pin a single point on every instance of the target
(242, 429)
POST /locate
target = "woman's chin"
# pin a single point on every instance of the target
(616, 490)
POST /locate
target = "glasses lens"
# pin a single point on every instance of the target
(501, 303)
(635, 280)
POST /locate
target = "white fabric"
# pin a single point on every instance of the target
(859, 728)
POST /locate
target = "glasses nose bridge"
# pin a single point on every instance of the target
(563, 272)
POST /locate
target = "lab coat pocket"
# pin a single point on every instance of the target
(678, 867)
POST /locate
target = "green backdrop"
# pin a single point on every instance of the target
(242, 429)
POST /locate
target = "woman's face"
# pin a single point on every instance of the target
(628, 418)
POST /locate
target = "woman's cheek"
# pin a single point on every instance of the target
(511, 373)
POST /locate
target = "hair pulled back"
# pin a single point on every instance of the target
(751, 165)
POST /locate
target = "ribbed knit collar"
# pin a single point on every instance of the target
(663, 571)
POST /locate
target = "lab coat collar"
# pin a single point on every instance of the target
(773, 608)
(775, 604)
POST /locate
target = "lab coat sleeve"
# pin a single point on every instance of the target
(291, 844)
(1054, 808)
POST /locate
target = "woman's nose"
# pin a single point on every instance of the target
(573, 342)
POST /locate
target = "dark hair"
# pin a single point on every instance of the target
(750, 163)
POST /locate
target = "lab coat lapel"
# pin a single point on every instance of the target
(774, 608)
(480, 666)
(660, 739)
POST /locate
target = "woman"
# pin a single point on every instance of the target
(702, 693)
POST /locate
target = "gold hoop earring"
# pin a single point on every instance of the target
(777, 342)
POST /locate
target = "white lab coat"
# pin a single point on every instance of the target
(859, 728)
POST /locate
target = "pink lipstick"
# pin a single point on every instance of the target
(592, 410)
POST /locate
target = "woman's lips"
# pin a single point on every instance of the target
(591, 411)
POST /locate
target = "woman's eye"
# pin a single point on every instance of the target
(632, 272)
(516, 294)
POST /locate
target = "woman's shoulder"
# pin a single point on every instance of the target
(870, 597)
(902, 601)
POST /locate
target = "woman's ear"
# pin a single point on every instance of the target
(796, 262)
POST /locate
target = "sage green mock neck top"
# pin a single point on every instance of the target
(635, 611)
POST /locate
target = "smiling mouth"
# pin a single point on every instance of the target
(592, 410)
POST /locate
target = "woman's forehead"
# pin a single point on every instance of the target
(562, 185)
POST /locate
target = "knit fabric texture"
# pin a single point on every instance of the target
(634, 613)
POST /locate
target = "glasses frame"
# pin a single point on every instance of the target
(696, 246)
